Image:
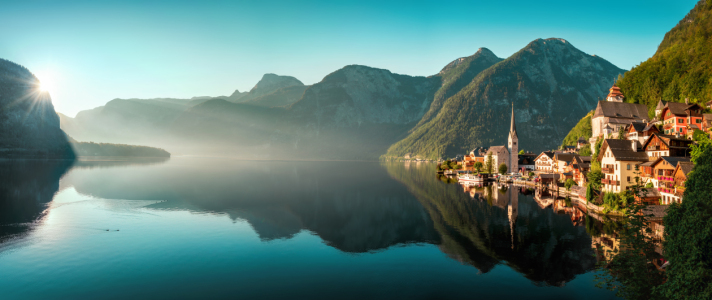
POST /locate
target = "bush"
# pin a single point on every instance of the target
(569, 183)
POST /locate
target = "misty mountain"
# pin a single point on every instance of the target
(551, 83)
(359, 112)
(268, 84)
(29, 126)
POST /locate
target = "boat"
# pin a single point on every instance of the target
(472, 178)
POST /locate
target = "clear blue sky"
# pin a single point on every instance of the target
(90, 52)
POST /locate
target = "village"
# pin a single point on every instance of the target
(627, 150)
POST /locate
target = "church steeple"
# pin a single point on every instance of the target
(513, 127)
(513, 161)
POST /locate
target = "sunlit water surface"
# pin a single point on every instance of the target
(200, 228)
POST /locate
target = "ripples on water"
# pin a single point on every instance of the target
(211, 228)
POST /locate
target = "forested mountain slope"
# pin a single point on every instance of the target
(551, 84)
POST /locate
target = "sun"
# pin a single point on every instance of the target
(46, 81)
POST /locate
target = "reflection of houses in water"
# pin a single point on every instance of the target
(544, 198)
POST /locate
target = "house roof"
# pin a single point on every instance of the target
(678, 108)
(685, 167)
(622, 150)
(672, 160)
(479, 151)
(621, 110)
(650, 126)
(497, 149)
(648, 164)
(657, 211)
(548, 154)
(568, 157)
(649, 193)
(629, 155)
(638, 126)
(707, 117)
(582, 159)
(661, 104)
(582, 139)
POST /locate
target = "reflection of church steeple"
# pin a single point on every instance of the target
(512, 212)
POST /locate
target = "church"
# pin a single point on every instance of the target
(509, 154)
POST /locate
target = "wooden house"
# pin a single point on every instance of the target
(544, 162)
(663, 177)
(659, 145)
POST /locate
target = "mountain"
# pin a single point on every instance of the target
(680, 68)
(281, 97)
(29, 126)
(268, 84)
(551, 84)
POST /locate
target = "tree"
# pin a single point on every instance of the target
(631, 271)
(585, 151)
(569, 183)
(489, 164)
(698, 135)
(688, 233)
(503, 169)
(531, 174)
(521, 152)
(478, 166)
(621, 133)
(594, 177)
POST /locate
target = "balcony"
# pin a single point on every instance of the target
(666, 178)
(611, 182)
(607, 170)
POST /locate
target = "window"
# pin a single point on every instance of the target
(628, 168)
(636, 167)
(681, 121)
(698, 121)
(628, 178)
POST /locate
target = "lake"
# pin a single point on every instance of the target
(189, 228)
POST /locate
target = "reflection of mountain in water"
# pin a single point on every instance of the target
(26, 186)
(500, 226)
(352, 206)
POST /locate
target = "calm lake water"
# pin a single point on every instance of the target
(216, 228)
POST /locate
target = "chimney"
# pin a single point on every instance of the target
(687, 100)
(632, 145)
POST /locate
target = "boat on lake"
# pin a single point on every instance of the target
(473, 178)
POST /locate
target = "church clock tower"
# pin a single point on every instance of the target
(513, 147)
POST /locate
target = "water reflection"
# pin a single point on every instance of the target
(26, 187)
(352, 206)
(488, 225)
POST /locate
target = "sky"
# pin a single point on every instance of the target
(89, 52)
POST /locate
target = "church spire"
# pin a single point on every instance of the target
(513, 128)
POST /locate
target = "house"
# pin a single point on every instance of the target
(677, 116)
(612, 115)
(659, 145)
(640, 132)
(663, 178)
(569, 149)
(580, 143)
(527, 161)
(476, 155)
(659, 109)
(648, 196)
(580, 167)
(500, 155)
(544, 162)
(682, 171)
(562, 162)
(707, 123)
(619, 163)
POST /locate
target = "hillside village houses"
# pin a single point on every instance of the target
(644, 155)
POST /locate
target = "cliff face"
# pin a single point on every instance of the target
(552, 85)
(29, 126)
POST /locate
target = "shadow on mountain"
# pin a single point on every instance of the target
(352, 206)
(490, 226)
(26, 188)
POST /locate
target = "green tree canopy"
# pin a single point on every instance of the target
(503, 169)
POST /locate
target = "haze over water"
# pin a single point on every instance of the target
(216, 228)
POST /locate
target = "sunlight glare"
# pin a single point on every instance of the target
(45, 81)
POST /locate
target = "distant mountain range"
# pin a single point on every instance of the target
(363, 113)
